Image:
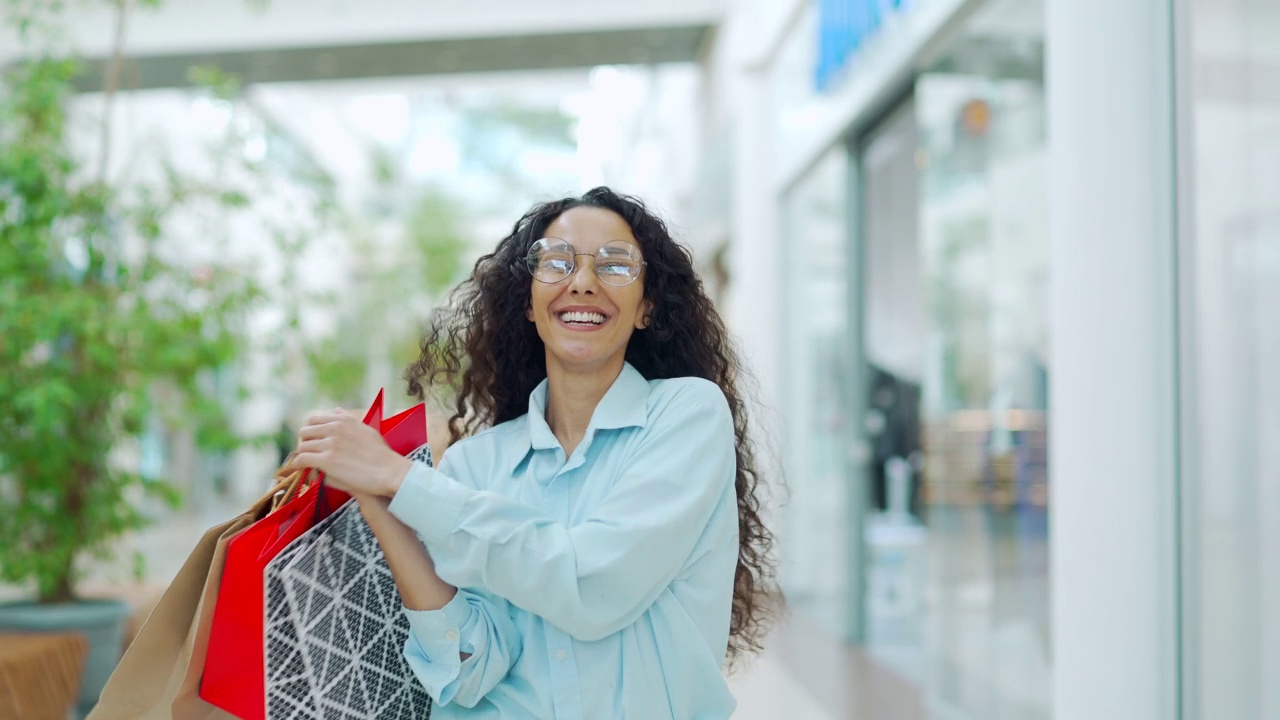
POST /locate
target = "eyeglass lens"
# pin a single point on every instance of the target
(616, 263)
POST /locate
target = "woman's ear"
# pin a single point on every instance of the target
(528, 313)
(646, 315)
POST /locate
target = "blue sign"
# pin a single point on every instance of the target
(843, 27)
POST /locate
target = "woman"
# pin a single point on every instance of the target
(596, 551)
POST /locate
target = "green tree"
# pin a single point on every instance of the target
(100, 318)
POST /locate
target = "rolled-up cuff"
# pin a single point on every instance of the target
(437, 624)
(435, 644)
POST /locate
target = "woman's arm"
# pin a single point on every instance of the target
(597, 576)
(462, 643)
(591, 578)
(410, 563)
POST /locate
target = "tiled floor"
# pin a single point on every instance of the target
(766, 690)
(810, 674)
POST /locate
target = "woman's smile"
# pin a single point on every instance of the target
(581, 318)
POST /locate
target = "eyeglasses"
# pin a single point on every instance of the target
(551, 260)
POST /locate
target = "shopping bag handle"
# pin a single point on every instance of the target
(298, 482)
(293, 484)
(274, 498)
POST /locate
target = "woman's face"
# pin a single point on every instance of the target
(584, 322)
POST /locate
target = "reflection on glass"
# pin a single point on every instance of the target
(894, 342)
(817, 367)
(983, 254)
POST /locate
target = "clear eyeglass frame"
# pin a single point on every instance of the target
(553, 260)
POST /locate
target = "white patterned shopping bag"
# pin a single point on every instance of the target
(336, 628)
(288, 687)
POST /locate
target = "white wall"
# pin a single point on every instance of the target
(738, 111)
(736, 205)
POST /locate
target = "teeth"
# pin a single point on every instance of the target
(582, 317)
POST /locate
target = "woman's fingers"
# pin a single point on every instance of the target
(316, 446)
(320, 417)
(303, 460)
(352, 455)
(324, 424)
(311, 454)
(314, 431)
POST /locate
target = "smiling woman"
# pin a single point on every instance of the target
(591, 544)
(584, 322)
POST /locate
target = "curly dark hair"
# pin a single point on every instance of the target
(482, 344)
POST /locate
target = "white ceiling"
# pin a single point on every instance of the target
(196, 26)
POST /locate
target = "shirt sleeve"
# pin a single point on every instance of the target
(474, 623)
(596, 577)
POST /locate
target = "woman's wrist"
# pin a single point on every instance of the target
(373, 508)
(393, 475)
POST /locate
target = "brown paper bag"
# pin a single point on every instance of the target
(159, 676)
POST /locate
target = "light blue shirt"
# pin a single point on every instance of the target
(597, 587)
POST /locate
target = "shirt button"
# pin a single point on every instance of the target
(560, 655)
(451, 636)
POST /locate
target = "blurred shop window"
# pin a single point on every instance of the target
(983, 260)
(894, 342)
(984, 256)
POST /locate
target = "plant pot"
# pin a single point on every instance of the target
(100, 621)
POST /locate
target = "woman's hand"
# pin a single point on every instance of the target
(352, 455)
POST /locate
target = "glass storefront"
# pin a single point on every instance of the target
(893, 329)
(945, 255)
(1230, 318)
(954, 221)
(934, 374)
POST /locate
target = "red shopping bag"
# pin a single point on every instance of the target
(407, 431)
(234, 676)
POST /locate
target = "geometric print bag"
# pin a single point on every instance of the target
(336, 628)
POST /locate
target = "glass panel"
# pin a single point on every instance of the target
(984, 252)
(815, 574)
(1232, 422)
(983, 258)
(894, 333)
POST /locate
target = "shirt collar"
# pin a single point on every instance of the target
(624, 405)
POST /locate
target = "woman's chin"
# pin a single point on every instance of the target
(582, 356)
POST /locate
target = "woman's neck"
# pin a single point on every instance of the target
(572, 397)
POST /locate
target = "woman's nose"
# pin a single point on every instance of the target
(584, 278)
